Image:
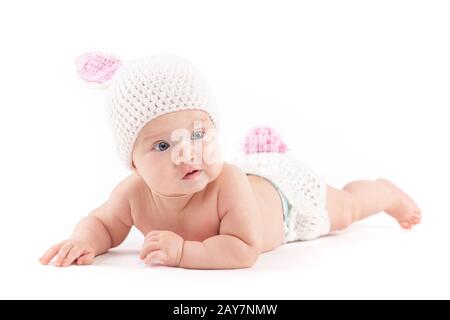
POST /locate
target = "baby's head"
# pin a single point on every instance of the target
(177, 153)
(163, 119)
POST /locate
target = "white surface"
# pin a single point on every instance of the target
(364, 262)
(368, 83)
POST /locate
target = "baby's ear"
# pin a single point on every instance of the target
(97, 68)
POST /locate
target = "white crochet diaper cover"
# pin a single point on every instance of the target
(304, 190)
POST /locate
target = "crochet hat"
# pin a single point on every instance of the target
(143, 89)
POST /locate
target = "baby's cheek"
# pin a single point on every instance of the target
(156, 173)
(214, 170)
(211, 154)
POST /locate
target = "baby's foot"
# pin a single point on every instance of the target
(403, 208)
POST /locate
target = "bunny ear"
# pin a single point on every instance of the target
(97, 68)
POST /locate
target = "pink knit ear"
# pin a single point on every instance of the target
(264, 139)
(97, 67)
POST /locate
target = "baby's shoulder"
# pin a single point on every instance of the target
(128, 188)
(231, 174)
(234, 190)
(231, 179)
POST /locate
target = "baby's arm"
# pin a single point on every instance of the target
(238, 244)
(104, 228)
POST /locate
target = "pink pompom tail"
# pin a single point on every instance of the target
(97, 67)
(264, 139)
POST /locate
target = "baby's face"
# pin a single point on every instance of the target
(171, 146)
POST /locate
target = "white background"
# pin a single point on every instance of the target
(358, 90)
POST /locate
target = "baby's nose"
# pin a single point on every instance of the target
(189, 155)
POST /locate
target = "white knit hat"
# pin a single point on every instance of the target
(143, 89)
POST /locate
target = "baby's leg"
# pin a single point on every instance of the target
(361, 199)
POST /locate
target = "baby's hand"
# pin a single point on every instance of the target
(69, 251)
(162, 247)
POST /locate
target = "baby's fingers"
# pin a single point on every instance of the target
(156, 257)
(148, 247)
(87, 258)
(48, 256)
(63, 253)
(73, 254)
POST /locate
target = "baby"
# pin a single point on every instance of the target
(195, 210)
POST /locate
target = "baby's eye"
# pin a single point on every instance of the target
(197, 134)
(161, 146)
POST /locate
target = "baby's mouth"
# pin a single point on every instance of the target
(192, 174)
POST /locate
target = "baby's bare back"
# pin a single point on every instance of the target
(200, 219)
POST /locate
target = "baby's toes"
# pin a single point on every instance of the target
(405, 225)
(416, 218)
